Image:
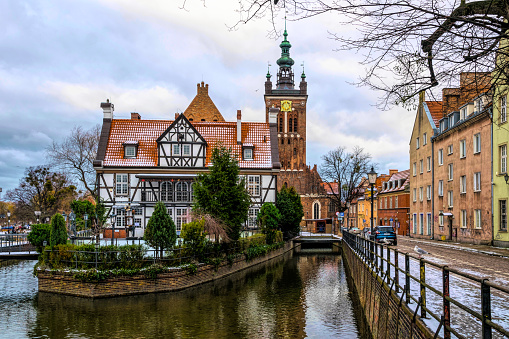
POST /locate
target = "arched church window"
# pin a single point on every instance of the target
(295, 151)
(316, 210)
(291, 125)
(288, 141)
(295, 124)
(282, 141)
(280, 125)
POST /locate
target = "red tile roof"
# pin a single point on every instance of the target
(146, 132)
(334, 185)
(435, 108)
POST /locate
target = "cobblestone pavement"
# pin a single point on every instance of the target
(477, 260)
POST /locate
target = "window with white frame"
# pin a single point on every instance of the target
(122, 181)
(441, 218)
(421, 166)
(441, 157)
(182, 191)
(421, 189)
(396, 202)
(129, 151)
(480, 105)
(503, 158)
(477, 219)
(120, 220)
(181, 217)
(176, 149)
(440, 188)
(386, 204)
(137, 222)
(415, 223)
(414, 194)
(449, 149)
(424, 139)
(428, 192)
(414, 169)
(253, 185)
(428, 223)
(503, 108)
(463, 218)
(463, 184)
(477, 143)
(463, 148)
(186, 150)
(477, 181)
(503, 215)
(248, 153)
(463, 113)
(390, 202)
(450, 198)
(428, 164)
(450, 172)
(417, 144)
(252, 216)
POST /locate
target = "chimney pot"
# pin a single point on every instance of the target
(239, 127)
(239, 114)
(108, 109)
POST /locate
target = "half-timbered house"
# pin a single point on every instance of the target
(140, 162)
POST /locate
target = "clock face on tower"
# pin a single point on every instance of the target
(286, 106)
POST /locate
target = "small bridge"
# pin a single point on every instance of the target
(321, 242)
(16, 246)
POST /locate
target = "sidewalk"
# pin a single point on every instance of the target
(483, 249)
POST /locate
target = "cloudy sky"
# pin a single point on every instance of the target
(60, 59)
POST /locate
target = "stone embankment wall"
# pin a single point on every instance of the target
(385, 315)
(174, 280)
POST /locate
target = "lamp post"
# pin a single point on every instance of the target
(37, 215)
(8, 218)
(372, 181)
(85, 217)
(112, 216)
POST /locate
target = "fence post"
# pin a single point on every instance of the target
(407, 278)
(375, 253)
(486, 309)
(447, 305)
(422, 281)
(388, 264)
(381, 259)
(396, 270)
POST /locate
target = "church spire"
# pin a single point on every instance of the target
(285, 62)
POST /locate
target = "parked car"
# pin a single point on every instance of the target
(355, 230)
(385, 232)
(366, 232)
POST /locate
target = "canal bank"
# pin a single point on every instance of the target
(292, 296)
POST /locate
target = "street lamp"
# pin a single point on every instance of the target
(85, 217)
(112, 216)
(372, 181)
(8, 218)
(72, 220)
(37, 214)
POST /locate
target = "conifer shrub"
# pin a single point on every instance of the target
(58, 234)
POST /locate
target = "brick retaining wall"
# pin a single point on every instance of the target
(177, 279)
(383, 315)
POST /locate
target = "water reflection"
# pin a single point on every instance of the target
(294, 297)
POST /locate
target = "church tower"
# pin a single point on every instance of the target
(290, 104)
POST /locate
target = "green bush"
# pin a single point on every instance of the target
(194, 238)
(160, 232)
(58, 235)
(268, 219)
(254, 240)
(38, 235)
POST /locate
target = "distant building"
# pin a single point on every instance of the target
(394, 202)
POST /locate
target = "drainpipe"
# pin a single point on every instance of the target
(492, 183)
(432, 189)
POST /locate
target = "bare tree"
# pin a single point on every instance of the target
(42, 190)
(409, 46)
(75, 155)
(342, 172)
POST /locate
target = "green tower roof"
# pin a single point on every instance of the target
(285, 60)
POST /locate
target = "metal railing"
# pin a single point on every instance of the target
(15, 243)
(379, 259)
(104, 259)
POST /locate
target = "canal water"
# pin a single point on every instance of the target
(301, 296)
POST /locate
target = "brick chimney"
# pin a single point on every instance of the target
(176, 115)
(392, 171)
(108, 109)
(135, 116)
(239, 127)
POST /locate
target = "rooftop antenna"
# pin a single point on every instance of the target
(302, 66)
